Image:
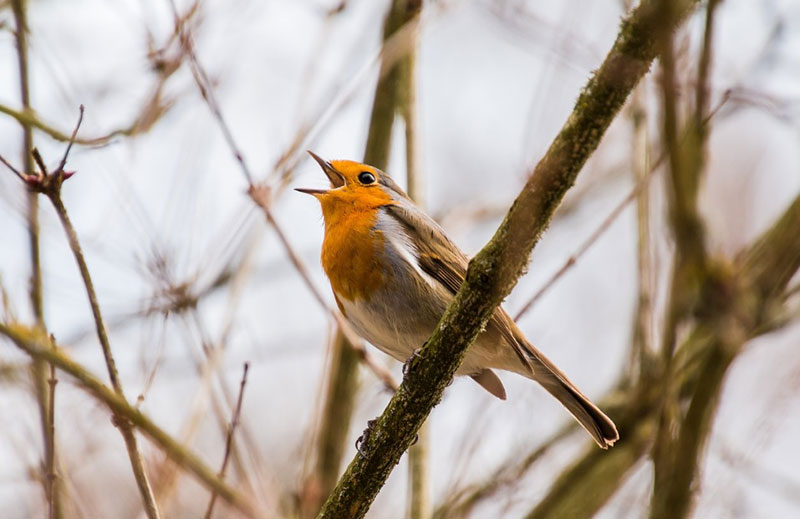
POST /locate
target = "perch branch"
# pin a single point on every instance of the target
(229, 440)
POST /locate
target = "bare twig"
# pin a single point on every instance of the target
(206, 369)
(52, 490)
(704, 66)
(420, 505)
(508, 473)
(229, 440)
(586, 245)
(63, 162)
(151, 112)
(13, 169)
(202, 80)
(50, 462)
(641, 186)
(642, 336)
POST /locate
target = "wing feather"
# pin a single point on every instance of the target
(443, 261)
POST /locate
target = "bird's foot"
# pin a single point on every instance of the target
(414, 354)
(362, 440)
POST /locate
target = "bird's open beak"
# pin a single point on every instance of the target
(310, 191)
(336, 178)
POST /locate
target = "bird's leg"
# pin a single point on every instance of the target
(361, 440)
(414, 354)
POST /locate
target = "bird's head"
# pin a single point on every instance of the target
(353, 186)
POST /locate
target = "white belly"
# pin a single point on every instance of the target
(396, 337)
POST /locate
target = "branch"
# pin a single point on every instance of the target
(151, 112)
(229, 440)
(494, 271)
(642, 336)
(420, 505)
(44, 395)
(41, 348)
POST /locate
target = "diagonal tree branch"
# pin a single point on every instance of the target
(494, 271)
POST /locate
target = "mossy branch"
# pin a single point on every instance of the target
(494, 271)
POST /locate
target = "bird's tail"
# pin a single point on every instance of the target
(596, 423)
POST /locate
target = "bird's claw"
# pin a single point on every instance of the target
(361, 440)
(414, 354)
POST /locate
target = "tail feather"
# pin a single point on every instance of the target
(591, 418)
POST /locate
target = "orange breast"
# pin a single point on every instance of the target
(352, 253)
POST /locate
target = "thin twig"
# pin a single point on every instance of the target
(13, 169)
(420, 505)
(142, 123)
(50, 464)
(642, 336)
(52, 489)
(229, 440)
(640, 186)
(137, 463)
(702, 89)
(201, 78)
(168, 472)
(461, 503)
(72, 137)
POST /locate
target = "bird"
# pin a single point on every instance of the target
(393, 272)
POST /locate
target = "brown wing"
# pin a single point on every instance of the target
(443, 260)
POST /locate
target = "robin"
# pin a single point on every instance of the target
(394, 271)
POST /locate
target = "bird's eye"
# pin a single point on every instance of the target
(366, 178)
